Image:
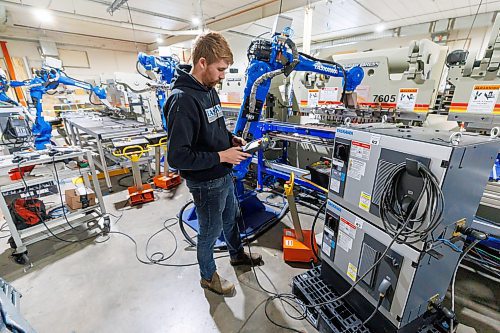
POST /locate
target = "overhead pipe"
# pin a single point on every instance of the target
(102, 21)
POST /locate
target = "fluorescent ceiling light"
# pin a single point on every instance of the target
(380, 27)
(43, 15)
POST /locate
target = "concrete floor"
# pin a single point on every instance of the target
(101, 287)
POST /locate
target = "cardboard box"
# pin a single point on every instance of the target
(78, 198)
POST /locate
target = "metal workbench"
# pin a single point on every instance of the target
(30, 184)
(90, 130)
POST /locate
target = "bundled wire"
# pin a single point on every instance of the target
(392, 209)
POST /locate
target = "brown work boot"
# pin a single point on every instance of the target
(244, 258)
(218, 285)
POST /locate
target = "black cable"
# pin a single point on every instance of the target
(313, 240)
(138, 71)
(379, 303)
(274, 295)
(162, 257)
(391, 208)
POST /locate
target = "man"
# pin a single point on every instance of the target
(204, 151)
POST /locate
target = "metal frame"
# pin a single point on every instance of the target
(103, 131)
(25, 237)
(325, 134)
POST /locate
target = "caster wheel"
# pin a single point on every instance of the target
(21, 258)
(107, 224)
(12, 243)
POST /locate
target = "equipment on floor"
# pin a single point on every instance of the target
(27, 212)
(297, 243)
(166, 180)
(161, 70)
(133, 149)
(269, 59)
(401, 203)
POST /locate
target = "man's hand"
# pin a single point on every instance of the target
(233, 155)
(238, 141)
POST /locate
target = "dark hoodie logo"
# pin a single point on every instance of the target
(214, 113)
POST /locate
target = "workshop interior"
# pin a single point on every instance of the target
(372, 191)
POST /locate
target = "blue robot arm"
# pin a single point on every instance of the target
(48, 79)
(165, 68)
(269, 59)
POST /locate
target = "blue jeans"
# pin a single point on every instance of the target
(217, 211)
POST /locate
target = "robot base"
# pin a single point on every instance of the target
(167, 182)
(257, 218)
(296, 251)
(140, 197)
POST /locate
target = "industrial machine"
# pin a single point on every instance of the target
(268, 59)
(161, 71)
(398, 214)
(135, 95)
(475, 85)
(471, 98)
(401, 84)
(48, 78)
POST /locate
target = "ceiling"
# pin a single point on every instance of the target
(341, 18)
(141, 21)
(144, 21)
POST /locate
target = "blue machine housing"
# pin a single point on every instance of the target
(165, 67)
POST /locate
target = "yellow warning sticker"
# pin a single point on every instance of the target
(487, 87)
(365, 200)
(352, 272)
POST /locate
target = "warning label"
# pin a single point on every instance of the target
(344, 241)
(360, 150)
(483, 98)
(407, 99)
(365, 200)
(352, 272)
(312, 98)
(347, 227)
(356, 169)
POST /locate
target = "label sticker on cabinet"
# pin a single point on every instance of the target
(326, 248)
(344, 242)
(360, 150)
(359, 223)
(335, 185)
(352, 272)
(347, 227)
(356, 169)
(375, 139)
(365, 200)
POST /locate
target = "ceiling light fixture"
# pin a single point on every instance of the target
(380, 28)
(159, 40)
(43, 15)
(195, 20)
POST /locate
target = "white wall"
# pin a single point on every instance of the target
(101, 61)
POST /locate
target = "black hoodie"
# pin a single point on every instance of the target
(196, 129)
